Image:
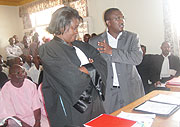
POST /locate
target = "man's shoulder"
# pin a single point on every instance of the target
(125, 32)
(6, 86)
(99, 38)
(9, 46)
(172, 56)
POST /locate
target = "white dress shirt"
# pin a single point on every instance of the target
(13, 51)
(82, 57)
(165, 67)
(113, 43)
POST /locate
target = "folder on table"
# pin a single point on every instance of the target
(163, 105)
(174, 81)
(105, 120)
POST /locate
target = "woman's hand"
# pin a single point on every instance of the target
(83, 69)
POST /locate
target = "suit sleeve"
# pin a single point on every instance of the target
(131, 56)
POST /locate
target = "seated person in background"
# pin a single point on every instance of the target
(144, 69)
(18, 60)
(5, 68)
(26, 49)
(3, 78)
(45, 39)
(165, 66)
(28, 62)
(35, 44)
(86, 38)
(21, 100)
(34, 70)
(12, 50)
(93, 35)
(17, 42)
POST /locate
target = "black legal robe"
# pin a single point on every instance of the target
(63, 83)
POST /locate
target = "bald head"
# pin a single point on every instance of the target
(166, 48)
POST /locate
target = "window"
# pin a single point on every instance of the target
(40, 20)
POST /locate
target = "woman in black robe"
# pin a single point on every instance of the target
(73, 92)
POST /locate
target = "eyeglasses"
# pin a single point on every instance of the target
(118, 19)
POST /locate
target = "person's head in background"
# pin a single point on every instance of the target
(45, 40)
(25, 39)
(18, 60)
(35, 37)
(143, 48)
(166, 48)
(17, 75)
(26, 44)
(16, 39)
(114, 20)
(93, 35)
(29, 59)
(86, 38)
(11, 41)
(64, 24)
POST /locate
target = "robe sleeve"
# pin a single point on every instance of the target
(62, 74)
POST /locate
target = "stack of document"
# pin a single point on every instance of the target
(142, 120)
(174, 81)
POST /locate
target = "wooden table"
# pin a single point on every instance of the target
(171, 121)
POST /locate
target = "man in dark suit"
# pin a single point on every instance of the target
(165, 66)
(144, 69)
(122, 52)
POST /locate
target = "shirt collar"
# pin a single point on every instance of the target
(112, 36)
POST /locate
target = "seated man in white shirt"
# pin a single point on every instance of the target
(34, 70)
(28, 62)
(13, 50)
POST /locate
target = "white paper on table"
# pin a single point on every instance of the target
(143, 120)
(166, 99)
(161, 85)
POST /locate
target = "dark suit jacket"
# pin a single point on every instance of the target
(144, 70)
(174, 63)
